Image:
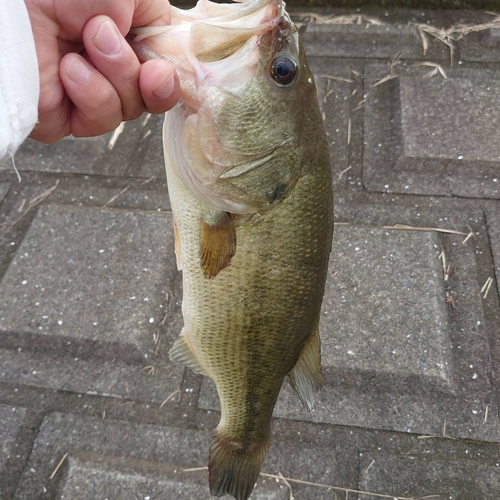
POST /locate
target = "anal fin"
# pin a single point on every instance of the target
(305, 377)
(182, 353)
(217, 243)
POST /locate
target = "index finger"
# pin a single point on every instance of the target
(73, 16)
(151, 12)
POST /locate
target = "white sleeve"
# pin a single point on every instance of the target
(19, 78)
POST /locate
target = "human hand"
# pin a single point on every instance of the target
(90, 78)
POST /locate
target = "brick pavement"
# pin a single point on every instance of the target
(90, 296)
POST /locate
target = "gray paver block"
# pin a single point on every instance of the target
(112, 265)
(149, 152)
(385, 306)
(149, 195)
(107, 375)
(445, 119)
(368, 40)
(4, 188)
(394, 356)
(85, 479)
(71, 155)
(483, 46)
(334, 79)
(23, 193)
(494, 230)
(122, 460)
(418, 478)
(11, 418)
(83, 297)
(132, 199)
(108, 154)
(442, 381)
(432, 136)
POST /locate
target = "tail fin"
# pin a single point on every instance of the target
(233, 471)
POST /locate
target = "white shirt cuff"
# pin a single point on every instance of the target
(19, 76)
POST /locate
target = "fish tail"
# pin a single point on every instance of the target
(232, 470)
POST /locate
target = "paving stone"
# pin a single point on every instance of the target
(108, 154)
(402, 283)
(368, 40)
(494, 230)
(147, 160)
(128, 197)
(396, 361)
(433, 136)
(87, 479)
(4, 188)
(111, 459)
(394, 356)
(91, 284)
(339, 90)
(4, 243)
(61, 257)
(11, 418)
(395, 5)
(420, 478)
(93, 374)
(483, 46)
(111, 192)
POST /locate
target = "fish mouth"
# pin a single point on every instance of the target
(218, 38)
(209, 31)
(213, 43)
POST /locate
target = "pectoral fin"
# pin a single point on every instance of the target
(182, 353)
(217, 243)
(305, 376)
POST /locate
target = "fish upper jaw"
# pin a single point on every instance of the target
(211, 44)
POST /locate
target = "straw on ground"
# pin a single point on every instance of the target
(288, 480)
(58, 466)
(34, 202)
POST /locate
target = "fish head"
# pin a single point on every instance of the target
(247, 95)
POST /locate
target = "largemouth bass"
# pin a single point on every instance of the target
(251, 192)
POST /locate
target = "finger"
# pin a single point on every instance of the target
(97, 108)
(54, 112)
(116, 61)
(54, 107)
(151, 12)
(159, 85)
(72, 16)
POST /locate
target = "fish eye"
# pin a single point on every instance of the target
(283, 70)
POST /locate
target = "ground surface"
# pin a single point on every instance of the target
(90, 296)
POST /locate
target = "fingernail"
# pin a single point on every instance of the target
(108, 40)
(78, 70)
(166, 88)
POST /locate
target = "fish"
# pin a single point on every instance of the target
(250, 187)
